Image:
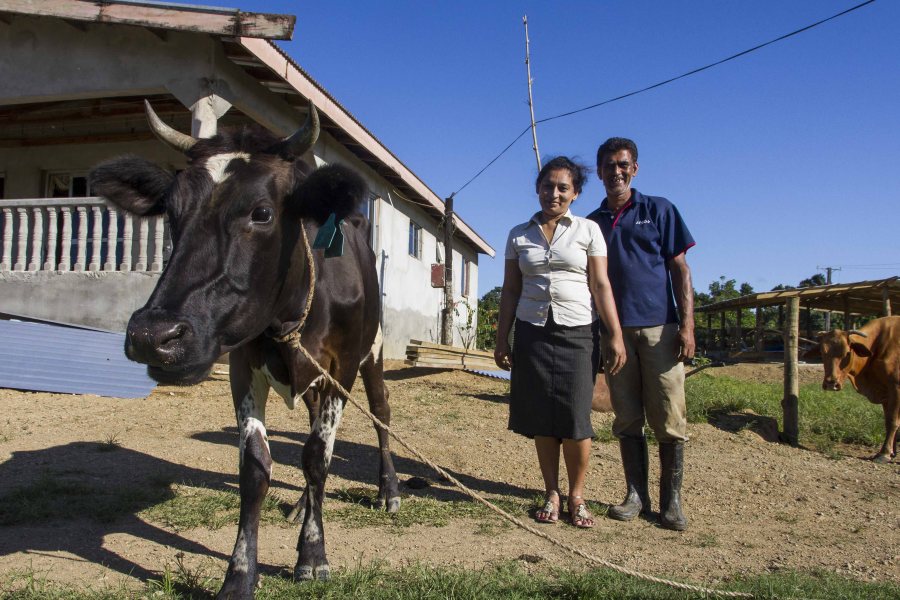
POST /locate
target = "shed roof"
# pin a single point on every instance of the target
(162, 15)
(862, 297)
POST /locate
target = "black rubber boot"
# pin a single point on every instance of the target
(671, 461)
(634, 462)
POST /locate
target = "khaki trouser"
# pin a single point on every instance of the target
(651, 385)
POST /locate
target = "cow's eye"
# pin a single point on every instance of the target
(261, 214)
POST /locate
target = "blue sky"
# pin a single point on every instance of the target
(781, 161)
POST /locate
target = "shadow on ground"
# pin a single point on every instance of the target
(70, 497)
(359, 463)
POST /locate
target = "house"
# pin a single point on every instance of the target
(75, 75)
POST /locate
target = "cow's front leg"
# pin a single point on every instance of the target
(311, 560)
(255, 476)
(891, 408)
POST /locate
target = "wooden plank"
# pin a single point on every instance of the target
(432, 352)
(442, 361)
(419, 363)
(453, 349)
(180, 18)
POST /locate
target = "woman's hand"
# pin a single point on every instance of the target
(502, 356)
(615, 354)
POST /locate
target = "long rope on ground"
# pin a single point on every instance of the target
(293, 339)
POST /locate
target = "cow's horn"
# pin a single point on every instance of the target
(173, 138)
(857, 332)
(304, 138)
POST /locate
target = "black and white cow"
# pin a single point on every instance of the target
(237, 281)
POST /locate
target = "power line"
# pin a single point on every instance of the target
(667, 81)
(872, 266)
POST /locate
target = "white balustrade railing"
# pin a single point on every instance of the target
(78, 234)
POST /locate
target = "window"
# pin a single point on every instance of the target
(67, 185)
(415, 240)
(367, 208)
(464, 278)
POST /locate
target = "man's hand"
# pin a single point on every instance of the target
(686, 344)
(614, 355)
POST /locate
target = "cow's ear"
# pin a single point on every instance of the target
(332, 189)
(133, 184)
(860, 349)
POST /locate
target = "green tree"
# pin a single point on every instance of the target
(488, 314)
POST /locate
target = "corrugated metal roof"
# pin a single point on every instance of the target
(494, 374)
(55, 358)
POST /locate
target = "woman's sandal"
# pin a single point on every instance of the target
(549, 513)
(581, 517)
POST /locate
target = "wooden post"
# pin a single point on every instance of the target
(447, 312)
(739, 330)
(847, 324)
(710, 336)
(723, 341)
(886, 302)
(808, 312)
(790, 404)
(758, 333)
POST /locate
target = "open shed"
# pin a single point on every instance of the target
(853, 300)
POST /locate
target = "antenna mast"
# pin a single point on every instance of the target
(537, 155)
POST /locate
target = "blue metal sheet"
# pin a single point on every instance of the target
(495, 374)
(54, 358)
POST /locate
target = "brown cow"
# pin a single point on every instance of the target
(870, 359)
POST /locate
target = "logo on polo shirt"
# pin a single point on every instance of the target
(644, 222)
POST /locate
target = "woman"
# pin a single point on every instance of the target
(555, 272)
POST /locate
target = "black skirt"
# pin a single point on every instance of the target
(553, 380)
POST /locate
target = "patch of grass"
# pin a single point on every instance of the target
(707, 540)
(826, 418)
(54, 497)
(27, 584)
(506, 581)
(179, 581)
(189, 506)
(422, 510)
(110, 443)
(786, 518)
(604, 435)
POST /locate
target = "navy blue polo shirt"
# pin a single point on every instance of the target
(641, 237)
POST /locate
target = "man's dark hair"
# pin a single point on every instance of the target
(577, 171)
(613, 145)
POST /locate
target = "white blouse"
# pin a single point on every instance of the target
(555, 274)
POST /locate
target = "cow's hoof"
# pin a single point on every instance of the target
(881, 458)
(393, 505)
(309, 573)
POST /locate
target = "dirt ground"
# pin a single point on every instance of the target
(754, 506)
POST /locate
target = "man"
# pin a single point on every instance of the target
(651, 281)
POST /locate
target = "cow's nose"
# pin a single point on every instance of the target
(831, 384)
(155, 339)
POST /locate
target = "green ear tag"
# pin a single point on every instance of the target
(336, 247)
(326, 234)
(330, 237)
